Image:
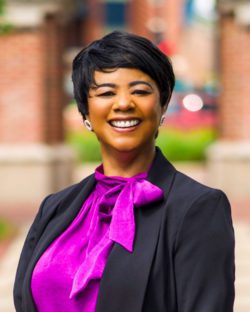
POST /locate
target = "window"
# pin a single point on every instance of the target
(115, 13)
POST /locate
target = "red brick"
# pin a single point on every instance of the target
(235, 79)
(31, 96)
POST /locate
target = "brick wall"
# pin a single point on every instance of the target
(93, 24)
(21, 87)
(235, 79)
(173, 13)
(31, 97)
(54, 101)
(140, 11)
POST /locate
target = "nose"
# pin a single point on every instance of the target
(124, 103)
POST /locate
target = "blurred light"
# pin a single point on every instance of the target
(180, 65)
(193, 102)
(205, 9)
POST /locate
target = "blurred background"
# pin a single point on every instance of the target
(43, 144)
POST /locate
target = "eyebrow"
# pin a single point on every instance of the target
(113, 85)
(96, 86)
(134, 83)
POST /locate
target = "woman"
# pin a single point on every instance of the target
(137, 235)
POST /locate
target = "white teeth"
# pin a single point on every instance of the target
(124, 123)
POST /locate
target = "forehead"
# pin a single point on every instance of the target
(121, 76)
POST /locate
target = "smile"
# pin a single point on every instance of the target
(124, 123)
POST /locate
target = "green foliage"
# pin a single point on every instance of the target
(6, 230)
(180, 145)
(2, 6)
(177, 145)
(4, 26)
(85, 144)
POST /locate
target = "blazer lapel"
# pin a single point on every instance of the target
(55, 227)
(125, 277)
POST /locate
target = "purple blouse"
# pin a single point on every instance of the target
(67, 276)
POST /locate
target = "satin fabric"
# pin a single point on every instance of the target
(67, 276)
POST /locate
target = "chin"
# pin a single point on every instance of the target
(125, 148)
(120, 147)
(126, 145)
(131, 147)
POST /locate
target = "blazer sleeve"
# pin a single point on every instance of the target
(27, 250)
(204, 256)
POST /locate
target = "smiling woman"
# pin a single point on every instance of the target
(125, 112)
(137, 235)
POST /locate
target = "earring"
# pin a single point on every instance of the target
(87, 124)
(162, 120)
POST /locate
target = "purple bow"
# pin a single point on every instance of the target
(115, 206)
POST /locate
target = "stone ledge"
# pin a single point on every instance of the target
(30, 172)
(228, 167)
(29, 15)
(229, 150)
(28, 153)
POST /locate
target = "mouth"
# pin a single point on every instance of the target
(124, 124)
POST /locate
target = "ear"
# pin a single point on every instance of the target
(164, 109)
(85, 117)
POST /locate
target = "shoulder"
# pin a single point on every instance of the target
(53, 201)
(192, 191)
(178, 186)
(182, 193)
(190, 202)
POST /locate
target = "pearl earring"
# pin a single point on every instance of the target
(87, 124)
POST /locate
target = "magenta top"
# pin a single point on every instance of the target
(67, 276)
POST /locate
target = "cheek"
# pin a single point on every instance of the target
(154, 111)
(99, 107)
(96, 112)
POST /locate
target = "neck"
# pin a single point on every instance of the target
(128, 163)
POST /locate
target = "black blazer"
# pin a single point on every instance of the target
(183, 258)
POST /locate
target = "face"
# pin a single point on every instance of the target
(124, 110)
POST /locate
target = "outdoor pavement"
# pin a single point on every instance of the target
(8, 262)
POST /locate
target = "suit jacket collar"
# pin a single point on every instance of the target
(125, 275)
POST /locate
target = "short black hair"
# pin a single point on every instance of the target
(121, 50)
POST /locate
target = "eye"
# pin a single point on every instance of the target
(141, 92)
(106, 93)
